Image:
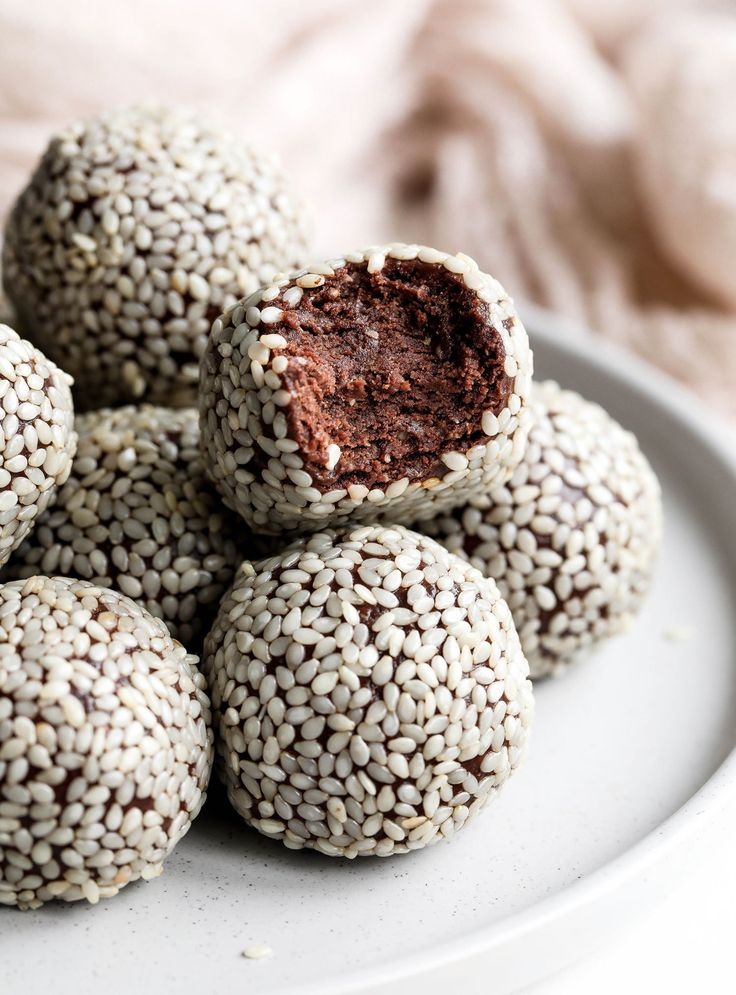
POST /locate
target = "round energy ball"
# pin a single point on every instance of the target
(137, 229)
(572, 539)
(137, 514)
(369, 692)
(37, 438)
(388, 384)
(105, 744)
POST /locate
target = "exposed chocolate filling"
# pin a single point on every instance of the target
(395, 368)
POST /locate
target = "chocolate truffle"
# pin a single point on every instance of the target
(572, 538)
(137, 229)
(369, 692)
(37, 438)
(105, 745)
(388, 384)
(137, 514)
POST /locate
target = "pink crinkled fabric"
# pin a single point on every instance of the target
(579, 149)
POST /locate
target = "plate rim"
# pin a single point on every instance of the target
(714, 796)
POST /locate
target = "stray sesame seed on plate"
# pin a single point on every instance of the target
(257, 951)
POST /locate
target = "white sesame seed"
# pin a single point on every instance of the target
(455, 461)
(198, 287)
(271, 315)
(310, 281)
(257, 951)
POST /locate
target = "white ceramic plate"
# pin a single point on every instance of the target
(631, 757)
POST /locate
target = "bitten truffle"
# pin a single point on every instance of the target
(137, 514)
(137, 229)
(572, 539)
(105, 745)
(369, 692)
(388, 384)
(37, 438)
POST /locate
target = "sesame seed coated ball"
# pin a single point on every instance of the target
(137, 514)
(369, 692)
(137, 229)
(388, 384)
(572, 539)
(37, 438)
(105, 745)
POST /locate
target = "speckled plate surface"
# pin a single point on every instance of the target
(630, 761)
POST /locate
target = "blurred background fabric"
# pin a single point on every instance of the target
(584, 151)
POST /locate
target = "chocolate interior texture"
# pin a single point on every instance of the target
(395, 367)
